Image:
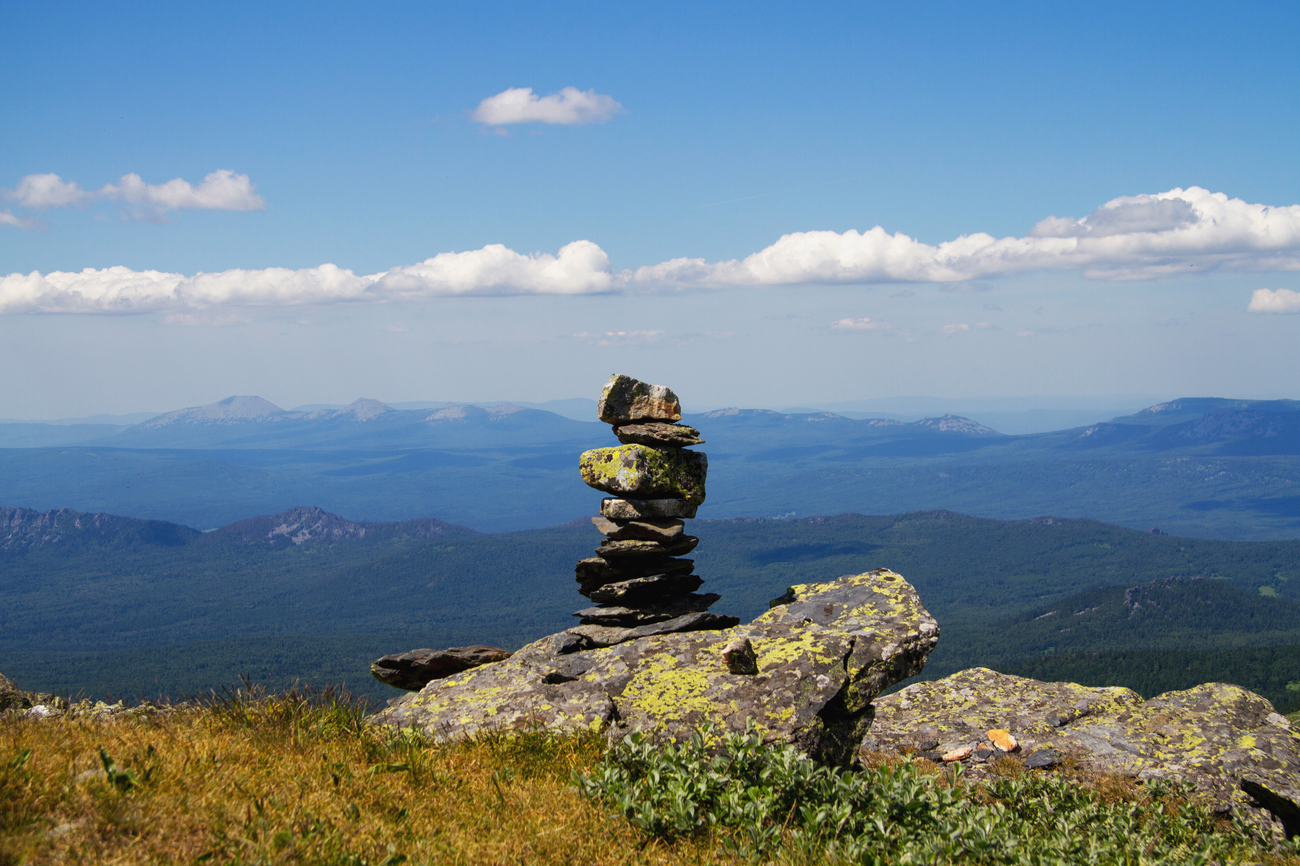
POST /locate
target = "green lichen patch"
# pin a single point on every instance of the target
(642, 472)
(1219, 737)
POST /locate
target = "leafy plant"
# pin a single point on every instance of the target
(764, 801)
(122, 780)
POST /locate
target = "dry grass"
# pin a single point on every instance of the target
(299, 778)
(290, 779)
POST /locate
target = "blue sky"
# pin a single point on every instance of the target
(369, 139)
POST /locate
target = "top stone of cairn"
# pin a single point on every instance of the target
(626, 400)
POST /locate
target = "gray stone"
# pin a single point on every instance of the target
(625, 400)
(646, 509)
(595, 572)
(659, 435)
(665, 530)
(603, 636)
(617, 551)
(642, 472)
(415, 669)
(739, 657)
(821, 659)
(651, 587)
(1228, 741)
(629, 617)
(1042, 759)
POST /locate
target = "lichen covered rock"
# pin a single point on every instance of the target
(625, 400)
(642, 472)
(1226, 740)
(822, 653)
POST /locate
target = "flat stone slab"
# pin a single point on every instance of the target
(625, 400)
(1227, 740)
(646, 509)
(644, 614)
(821, 657)
(663, 530)
(415, 669)
(619, 551)
(603, 635)
(651, 587)
(595, 572)
(658, 434)
(642, 472)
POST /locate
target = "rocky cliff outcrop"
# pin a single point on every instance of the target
(805, 672)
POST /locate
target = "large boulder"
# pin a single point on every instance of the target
(822, 653)
(1228, 741)
(642, 472)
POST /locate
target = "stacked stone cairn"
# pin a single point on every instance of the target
(640, 584)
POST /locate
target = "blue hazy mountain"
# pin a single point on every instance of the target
(1207, 467)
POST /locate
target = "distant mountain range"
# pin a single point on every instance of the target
(1198, 466)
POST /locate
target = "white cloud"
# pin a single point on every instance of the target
(570, 106)
(220, 190)
(1024, 333)
(954, 329)
(7, 218)
(579, 268)
(1137, 237)
(42, 191)
(621, 338)
(1274, 301)
(863, 324)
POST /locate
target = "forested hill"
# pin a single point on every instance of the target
(22, 529)
(310, 595)
(68, 531)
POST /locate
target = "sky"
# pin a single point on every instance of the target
(756, 204)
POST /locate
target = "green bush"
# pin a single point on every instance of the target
(773, 802)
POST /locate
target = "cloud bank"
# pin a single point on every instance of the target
(571, 107)
(1134, 237)
(579, 268)
(220, 190)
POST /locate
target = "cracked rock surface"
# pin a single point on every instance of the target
(1226, 740)
(823, 652)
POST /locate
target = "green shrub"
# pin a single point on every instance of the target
(773, 802)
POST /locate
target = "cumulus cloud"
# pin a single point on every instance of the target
(1134, 237)
(1274, 301)
(863, 324)
(570, 106)
(579, 268)
(220, 190)
(43, 191)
